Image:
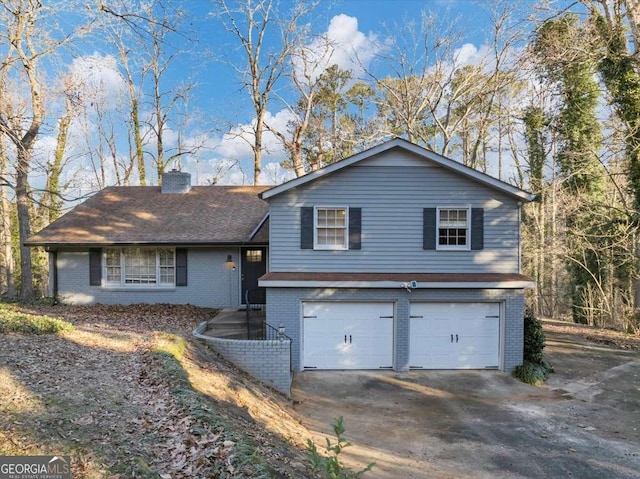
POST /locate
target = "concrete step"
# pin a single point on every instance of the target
(228, 334)
(213, 323)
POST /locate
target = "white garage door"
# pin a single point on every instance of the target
(347, 335)
(454, 335)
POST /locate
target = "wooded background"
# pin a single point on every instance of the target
(552, 105)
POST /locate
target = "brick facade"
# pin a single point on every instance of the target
(210, 282)
(285, 309)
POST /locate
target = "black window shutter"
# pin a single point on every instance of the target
(306, 227)
(95, 266)
(181, 267)
(355, 228)
(429, 228)
(477, 228)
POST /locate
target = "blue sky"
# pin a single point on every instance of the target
(217, 102)
(374, 19)
(357, 24)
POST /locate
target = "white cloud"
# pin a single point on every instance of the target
(95, 78)
(236, 144)
(220, 171)
(274, 174)
(342, 45)
(469, 54)
(228, 158)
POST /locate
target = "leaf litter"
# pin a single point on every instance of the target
(100, 395)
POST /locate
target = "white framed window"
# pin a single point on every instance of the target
(331, 228)
(140, 267)
(454, 232)
(113, 266)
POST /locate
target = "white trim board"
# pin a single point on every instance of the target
(396, 284)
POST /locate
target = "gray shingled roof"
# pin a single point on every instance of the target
(144, 215)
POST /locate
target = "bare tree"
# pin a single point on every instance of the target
(254, 24)
(6, 250)
(441, 95)
(305, 63)
(20, 19)
(146, 36)
(29, 30)
(118, 35)
(51, 203)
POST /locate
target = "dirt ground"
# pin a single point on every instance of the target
(100, 395)
(583, 423)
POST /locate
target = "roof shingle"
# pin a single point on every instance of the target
(143, 215)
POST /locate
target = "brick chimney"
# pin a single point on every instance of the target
(175, 181)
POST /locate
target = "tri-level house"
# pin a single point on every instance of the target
(394, 258)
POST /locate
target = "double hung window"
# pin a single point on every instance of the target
(330, 229)
(132, 267)
(453, 228)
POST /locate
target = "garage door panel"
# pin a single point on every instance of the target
(454, 335)
(429, 341)
(347, 335)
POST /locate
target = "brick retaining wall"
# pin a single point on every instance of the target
(268, 361)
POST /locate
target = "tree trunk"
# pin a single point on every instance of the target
(24, 224)
(5, 229)
(53, 201)
(296, 160)
(257, 149)
(137, 138)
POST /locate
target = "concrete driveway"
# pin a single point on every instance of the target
(584, 423)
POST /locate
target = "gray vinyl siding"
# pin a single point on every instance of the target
(210, 282)
(285, 309)
(392, 199)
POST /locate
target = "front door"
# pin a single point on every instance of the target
(253, 265)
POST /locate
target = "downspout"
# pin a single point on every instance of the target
(519, 237)
(54, 260)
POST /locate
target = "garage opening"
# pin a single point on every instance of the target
(347, 335)
(454, 336)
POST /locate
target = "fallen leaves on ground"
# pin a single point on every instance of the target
(98, 394)
(598, 335)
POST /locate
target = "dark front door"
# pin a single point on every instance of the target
(254, 265)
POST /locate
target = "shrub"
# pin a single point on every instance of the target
(13, 320)
(534, 339)
(531, 373)
(330, 467)
(534, 369)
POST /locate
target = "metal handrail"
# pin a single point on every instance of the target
(260, 330)
(276, 333)
(255, 328)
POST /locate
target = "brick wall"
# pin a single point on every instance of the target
(285, 309)
(210, 282)
(176, 182)
(268, 361)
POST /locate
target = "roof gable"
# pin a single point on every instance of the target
(422, 153)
